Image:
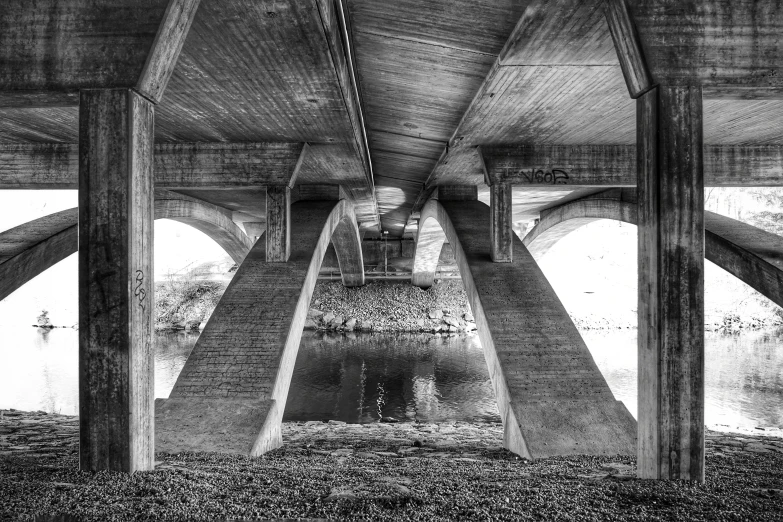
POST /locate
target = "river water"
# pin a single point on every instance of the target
(422, 377)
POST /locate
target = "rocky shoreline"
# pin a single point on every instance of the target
(333, 470)
(385, 306)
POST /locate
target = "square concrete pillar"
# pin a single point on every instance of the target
(501, 230)
(116, 292)
(278, 223)
(671, 284)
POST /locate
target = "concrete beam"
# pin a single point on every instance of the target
(337, 31)
(49, 49)
(177, 165)
(170, 38)
(116, 389)
(730, 48)
(456, 193)
(628, 47)
(615, 165)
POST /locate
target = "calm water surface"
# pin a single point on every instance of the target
(359, 378)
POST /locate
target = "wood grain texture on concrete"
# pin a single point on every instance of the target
(550, 393)
(177, 165)
(116, 298)
(671, 283)
(54, 45)
(730, 47)
(628, 47)
(231, 394)
(166, 47)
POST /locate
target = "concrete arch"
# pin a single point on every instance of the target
(29, 249)
(551, 396)
(209, 219)
(231, 394)
(752, 255)
(429, 244)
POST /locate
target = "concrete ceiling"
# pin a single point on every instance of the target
(435, 78)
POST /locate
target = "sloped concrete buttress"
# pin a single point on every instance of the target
(231, 394)
(552, 398)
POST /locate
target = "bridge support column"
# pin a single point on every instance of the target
(278, 223)
(671, 284)
(116, 390)
(500, 224)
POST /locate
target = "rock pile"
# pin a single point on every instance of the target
(389, 306)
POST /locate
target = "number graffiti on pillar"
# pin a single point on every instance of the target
(540, 176)
(140, 293)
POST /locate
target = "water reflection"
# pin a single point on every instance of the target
(743, 381)
(359, 378)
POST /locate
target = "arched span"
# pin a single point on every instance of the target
(29, 249)
(429, 244)
(752, 255)
(231, 394)
(551, 396)
(209, 219)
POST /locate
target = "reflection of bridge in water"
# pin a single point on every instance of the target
(361, 111)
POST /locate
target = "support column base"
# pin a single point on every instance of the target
(236, 426)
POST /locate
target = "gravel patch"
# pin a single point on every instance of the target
(454, 471)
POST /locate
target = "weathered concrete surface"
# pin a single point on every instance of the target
(500, 226)
(116, 298)
(551, 395)
(278, 223)
(429, 244)
(232, 391)
(29, 249)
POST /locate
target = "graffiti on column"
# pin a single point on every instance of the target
(139, 292)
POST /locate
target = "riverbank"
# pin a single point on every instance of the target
(332, 470)
(399, 306)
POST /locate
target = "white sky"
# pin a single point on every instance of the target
(176, 247)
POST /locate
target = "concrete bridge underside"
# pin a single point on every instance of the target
(231, 394)
(552, 398)
(29, 249)
(752, 255)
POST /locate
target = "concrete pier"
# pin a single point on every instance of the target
(231, 394)
(551, 395)
(116, 299)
